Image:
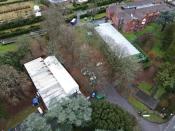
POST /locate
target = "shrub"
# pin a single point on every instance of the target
(105, 2)
(80, 7)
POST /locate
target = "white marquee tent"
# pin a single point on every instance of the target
(51, 79)
(115, 39)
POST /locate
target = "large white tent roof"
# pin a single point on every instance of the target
(51, 79)
(115, 39)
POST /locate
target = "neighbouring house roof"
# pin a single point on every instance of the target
(51, 79)
(137, 10)
(116, 40)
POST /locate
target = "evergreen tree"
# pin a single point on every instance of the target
(110, 117)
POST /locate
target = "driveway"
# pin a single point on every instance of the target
(114, 97)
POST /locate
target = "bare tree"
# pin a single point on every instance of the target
(60, 36)
(53, 24)
(11, 82)
(124, 67)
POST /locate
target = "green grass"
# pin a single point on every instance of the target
(130, 36)
(154, 116)
(151, 28)
(18, 118)
(157, 48)
(101, 15)
(137, 104)
(146, 87)
(159, 93)
(154, 29)
(3, 113)
(7, 48)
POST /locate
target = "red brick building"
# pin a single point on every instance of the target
(135, 16)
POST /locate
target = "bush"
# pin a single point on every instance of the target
(80, 7)
(105, 2)
(146, 65)
(14, 58)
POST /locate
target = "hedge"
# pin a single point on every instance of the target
(4, 35)
(13, 2)
(102, 10)
(80, 7)
(3, 0)
(20, 22)
(105, 2)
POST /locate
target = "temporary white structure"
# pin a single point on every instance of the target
(51, 79)
(37, 14)
(36, 8)
(115, 39)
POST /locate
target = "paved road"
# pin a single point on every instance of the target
(145, 125)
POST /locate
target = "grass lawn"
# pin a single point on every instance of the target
(18, 118)
(159, 93)
(157, 48)
(152, 28)
(136, 104)
(130, 36)
(154, 116)
(101, 15)
(6, 48)
(146, 87)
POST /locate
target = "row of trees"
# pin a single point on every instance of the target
(78, 112)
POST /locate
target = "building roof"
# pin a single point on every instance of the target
(51, 79)
(137, 10)
(116, 40)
